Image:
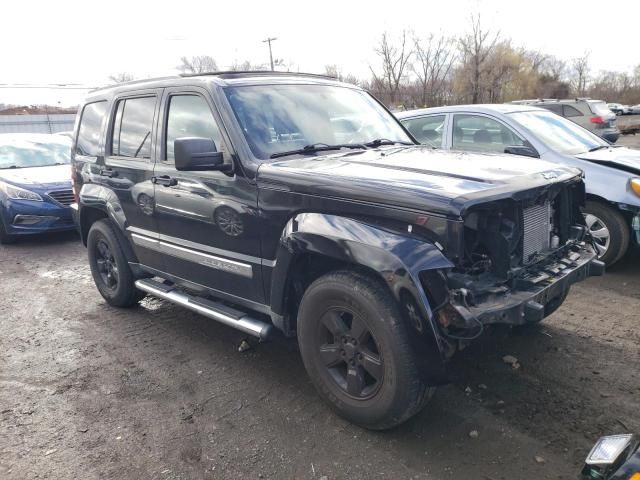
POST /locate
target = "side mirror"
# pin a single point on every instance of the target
(197, 154)
(521, 150)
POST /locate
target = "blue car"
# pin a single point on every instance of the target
(35, 185)
(612, 172)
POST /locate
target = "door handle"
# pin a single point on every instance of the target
(165, 180)
(108, 172)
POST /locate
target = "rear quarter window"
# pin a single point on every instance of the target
(90, 129)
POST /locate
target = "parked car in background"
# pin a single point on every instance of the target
(612, 171)
(594, 115)
(35, 184)
(635, 109)
(619, 109)
(380, 255)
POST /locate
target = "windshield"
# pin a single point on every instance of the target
(25, 150)
(558, 133)
(283, 118)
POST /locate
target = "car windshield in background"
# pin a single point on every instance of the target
(24, 150)
(285, 118)
(558, 133)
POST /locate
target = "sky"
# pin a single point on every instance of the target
(83, 42)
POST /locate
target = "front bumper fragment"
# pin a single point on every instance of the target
(536, 293)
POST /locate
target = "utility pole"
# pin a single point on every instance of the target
(269, 40)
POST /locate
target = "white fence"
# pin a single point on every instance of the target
(53, 123)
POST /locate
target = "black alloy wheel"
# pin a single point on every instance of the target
(350, 354)
(106, 264)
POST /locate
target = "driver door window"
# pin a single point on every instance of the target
(476, 133)
(190, 116)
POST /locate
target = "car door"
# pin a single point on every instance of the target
(482, 133)
(128, 167)
(207, 220)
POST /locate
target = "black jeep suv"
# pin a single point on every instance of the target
(267, 200)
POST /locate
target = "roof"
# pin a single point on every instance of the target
(477, 108)
(221, 79)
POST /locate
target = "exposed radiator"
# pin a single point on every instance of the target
(536, 223)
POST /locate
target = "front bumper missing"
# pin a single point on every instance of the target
(536, 294)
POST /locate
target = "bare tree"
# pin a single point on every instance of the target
(433, 61)
(580, 74)
(476, 48)
(247, 66)
(395, 60)
(197, 64)
(121, 77)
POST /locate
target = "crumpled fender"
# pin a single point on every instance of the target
(397, 258)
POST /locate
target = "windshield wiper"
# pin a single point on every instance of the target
(317, 147)
(600, 147)
(385, 141)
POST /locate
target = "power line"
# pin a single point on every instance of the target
(269, 40)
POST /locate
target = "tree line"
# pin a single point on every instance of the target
(480, 66)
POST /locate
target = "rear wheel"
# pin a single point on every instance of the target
(609, 230)
(111, 272)
(355, 348)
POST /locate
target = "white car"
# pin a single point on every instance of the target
(619, 109)
(635, 110)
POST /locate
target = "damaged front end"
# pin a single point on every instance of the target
(518, 258)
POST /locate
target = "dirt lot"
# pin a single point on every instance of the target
(88, 391)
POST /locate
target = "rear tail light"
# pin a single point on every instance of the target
(597, 120)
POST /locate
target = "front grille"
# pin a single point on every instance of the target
(63, 197)
(536, 221)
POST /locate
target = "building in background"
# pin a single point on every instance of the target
(37, 119)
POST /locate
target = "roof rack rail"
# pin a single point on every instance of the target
(229, 73)
(131, 82)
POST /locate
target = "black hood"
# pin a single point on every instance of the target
(416, 177)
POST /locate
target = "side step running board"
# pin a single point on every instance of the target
(214, 310)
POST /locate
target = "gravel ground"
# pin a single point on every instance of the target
(89, 391)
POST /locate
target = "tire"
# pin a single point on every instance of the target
(5, 238)
(111, 272)
(373, 382)
(600, 219)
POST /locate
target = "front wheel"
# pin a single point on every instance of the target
(355, 348)
(609, 231)
(111, 272)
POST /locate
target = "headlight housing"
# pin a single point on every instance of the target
(635, 185)
(17, 193)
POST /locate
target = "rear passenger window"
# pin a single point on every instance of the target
(554, 108)
(570, 111)
(190, 116)
(132, 127)
(88, 142)
(427, 130)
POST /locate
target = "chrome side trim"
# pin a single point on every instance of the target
(204, 248)
(217, 263)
